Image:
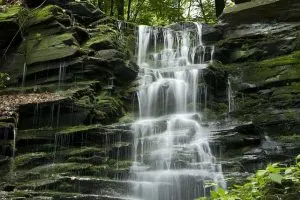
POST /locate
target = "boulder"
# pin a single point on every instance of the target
(54, 47)
(46, 15)
(84, 12)
(105, 60)
(256, 41)
(103, 37)
(261, 11)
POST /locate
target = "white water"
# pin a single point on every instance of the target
(173, 160)
(24, 75)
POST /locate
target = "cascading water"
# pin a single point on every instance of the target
(172, 156)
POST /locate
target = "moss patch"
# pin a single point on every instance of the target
(44, 15)
(51, 48)
(10, 13)
(271, 70)
(32, 159)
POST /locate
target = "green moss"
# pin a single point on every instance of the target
(51, 48)
(5, 124)
(290, 138)
(270, 70)
(293, 58)
(247, 5)
(74, 129)
(102, 41)
(84, 101)
(86, 151)
(31, 159)
(45, 14)
(286, 96)
(127, 118)
(57, 168)
(105, 37)
(10, 13)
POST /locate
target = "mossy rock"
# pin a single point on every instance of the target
(46, 15)
(10, 14)
(272, 70)
(104, 37)
(55, 47)
(102, 41)
(32, 159)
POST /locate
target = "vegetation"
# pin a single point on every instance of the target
(3, 79)
(275, 182)
(153, 12)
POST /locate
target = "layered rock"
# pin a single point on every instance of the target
(258, 53)
(71, 73)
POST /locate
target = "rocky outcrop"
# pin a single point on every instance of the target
(71, 73)
(255, 11)
(259, 56)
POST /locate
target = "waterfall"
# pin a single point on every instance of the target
(172, 157)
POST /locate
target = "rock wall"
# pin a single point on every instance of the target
(71, 74)
(259, 54)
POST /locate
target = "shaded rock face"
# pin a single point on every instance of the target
(259, 55)
(73, 73)
(261, 11)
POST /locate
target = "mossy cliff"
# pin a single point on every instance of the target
(258, 60)
(71, 74)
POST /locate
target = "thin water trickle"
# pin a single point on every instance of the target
(24, 75)
(172, 157)
(62, 73)
(230, 96)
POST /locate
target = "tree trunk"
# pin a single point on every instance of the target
(128, 10)
(121, 9)
(111, 7)
(189, 10)
(140, 4)
(203, 11)
(220, 5)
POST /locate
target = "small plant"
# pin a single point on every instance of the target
(275, 182)
(3, 80)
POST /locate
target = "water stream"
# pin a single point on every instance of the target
(172, 156)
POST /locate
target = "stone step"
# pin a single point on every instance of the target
(82, 185)
(76, 135)
(93, 155)
(53, 195)
(112, 169)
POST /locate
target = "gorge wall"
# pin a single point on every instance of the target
(66, 113)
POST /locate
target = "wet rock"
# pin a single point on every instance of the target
(46, 15)
(84, 12)
(9, 188)
(262, 10)
(6, 131)
(49, 48)
(123, 70)
(256, 41)
(9, 29)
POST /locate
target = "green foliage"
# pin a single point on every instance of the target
(3, 79)
(275, 182)
(153, 12)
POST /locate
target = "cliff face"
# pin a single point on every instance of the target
(72, 75)
(259, 53)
